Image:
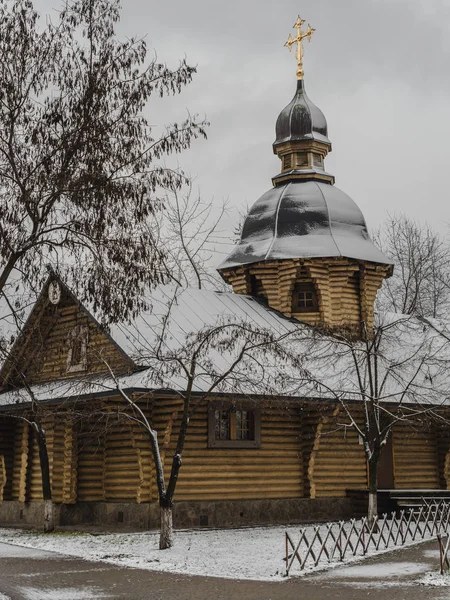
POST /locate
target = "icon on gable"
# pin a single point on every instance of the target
(54, 292)
(77, 355)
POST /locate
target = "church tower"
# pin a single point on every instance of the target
(304, 246)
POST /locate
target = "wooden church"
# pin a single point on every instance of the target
(305, 255)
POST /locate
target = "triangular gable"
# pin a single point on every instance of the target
(61, 339)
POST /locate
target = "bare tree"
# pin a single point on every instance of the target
(80, 173)
(420, 283)
(191, 231)
(231, 355)
(398, 373)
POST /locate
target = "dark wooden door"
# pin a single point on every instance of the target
(386, 467)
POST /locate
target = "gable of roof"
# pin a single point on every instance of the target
(40, 352)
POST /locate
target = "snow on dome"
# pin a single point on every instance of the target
(304, 219)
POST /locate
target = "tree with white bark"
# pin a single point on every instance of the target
(231, 355)
(80, 168)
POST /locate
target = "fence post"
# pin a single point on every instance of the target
(441, 553)
(287, 552)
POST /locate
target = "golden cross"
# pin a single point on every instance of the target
(299, 41)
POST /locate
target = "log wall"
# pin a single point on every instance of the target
(20, 463)
(415, 459)
(91, 461)
(272, 471)
(304, 452)
(337, 460)
(346, 288)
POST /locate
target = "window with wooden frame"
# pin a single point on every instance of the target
(233, 425)
(304, 298)
(287, 162)
(302, 159)
(318, 160)
(77, 355)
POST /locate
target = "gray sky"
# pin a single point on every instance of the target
(378, 69)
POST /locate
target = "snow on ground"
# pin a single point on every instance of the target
(254, 553)
(239, 554)
(378, 571)
(435, 579)
(7, 551)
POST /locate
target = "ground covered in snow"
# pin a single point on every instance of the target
(256, 553)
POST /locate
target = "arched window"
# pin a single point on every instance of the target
(77, 355)
(304, 298)
(258, 289)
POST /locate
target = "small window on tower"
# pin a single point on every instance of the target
(304, 299)
(318, 160)
(287, 162)
(302, 160)
(258, 289)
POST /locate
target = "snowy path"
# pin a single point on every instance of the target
(29, 574)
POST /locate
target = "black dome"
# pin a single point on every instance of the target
(304, 219)
(301, 120)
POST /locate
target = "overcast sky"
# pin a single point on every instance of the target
(378, 69)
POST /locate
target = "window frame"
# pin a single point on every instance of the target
(233, 443)
(305, 287)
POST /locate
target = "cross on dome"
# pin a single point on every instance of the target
(301, 35)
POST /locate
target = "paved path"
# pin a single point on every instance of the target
(27, 574)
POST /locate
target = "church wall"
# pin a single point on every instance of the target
(305, 451)
(114, 457)
(274, 470)
(443, 448)
(346, 288)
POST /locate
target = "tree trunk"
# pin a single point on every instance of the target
(49, 517)
(166, 531)
(372, 510)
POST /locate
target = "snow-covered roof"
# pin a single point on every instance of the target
(415, 352)
(191, 310)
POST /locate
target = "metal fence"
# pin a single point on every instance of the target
(332, 542)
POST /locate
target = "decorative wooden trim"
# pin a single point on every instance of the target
(316, 447)
(2, 475)
(79, 334)
(24, 435)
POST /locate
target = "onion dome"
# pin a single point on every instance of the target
(301, 120)
(304, 219)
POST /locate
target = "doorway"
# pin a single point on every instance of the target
(386, 467)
